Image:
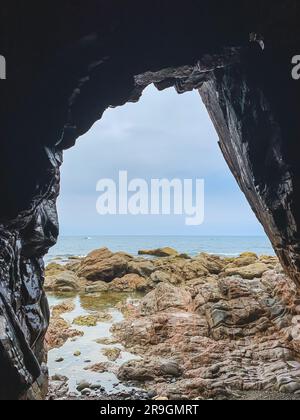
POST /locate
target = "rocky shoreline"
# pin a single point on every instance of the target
(199, 328)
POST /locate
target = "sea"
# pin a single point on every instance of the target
(70, 246)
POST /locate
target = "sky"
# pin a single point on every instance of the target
(164, 135)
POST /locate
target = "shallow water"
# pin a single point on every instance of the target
(91, 352)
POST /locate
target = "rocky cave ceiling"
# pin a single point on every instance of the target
(68, 61)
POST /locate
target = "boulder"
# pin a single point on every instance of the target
(73, 266)
(165, 277)
(97, 287)
(165, 297)
(151, 369)
(160, 252)
(62, 281)
(129, 283)
(194, 269)
(54, 268)
(183, 269)
(249, 272)
(243, 260)
(143, 268)
(212, 263)
(137, 370)
(104, 265)
(270, 261)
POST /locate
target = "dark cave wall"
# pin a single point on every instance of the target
(68, 61)
(254, 107)
(24, 311)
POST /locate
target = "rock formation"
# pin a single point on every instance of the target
(215, 337)
(209, 327)
(67, 63)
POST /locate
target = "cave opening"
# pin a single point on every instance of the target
(164, 136)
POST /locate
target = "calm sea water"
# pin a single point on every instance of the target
(221, 245)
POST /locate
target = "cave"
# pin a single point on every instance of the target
(67, 62)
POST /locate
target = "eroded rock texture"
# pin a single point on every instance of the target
(214, 336)
(66, 63)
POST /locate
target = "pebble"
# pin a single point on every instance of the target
(86, 392)
(97, 387)
(81, 385)
(171, 368)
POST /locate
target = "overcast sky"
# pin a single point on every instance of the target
(165, 135)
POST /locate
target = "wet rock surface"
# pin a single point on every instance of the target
(103, 265)
(64, 282)
(60, 330)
